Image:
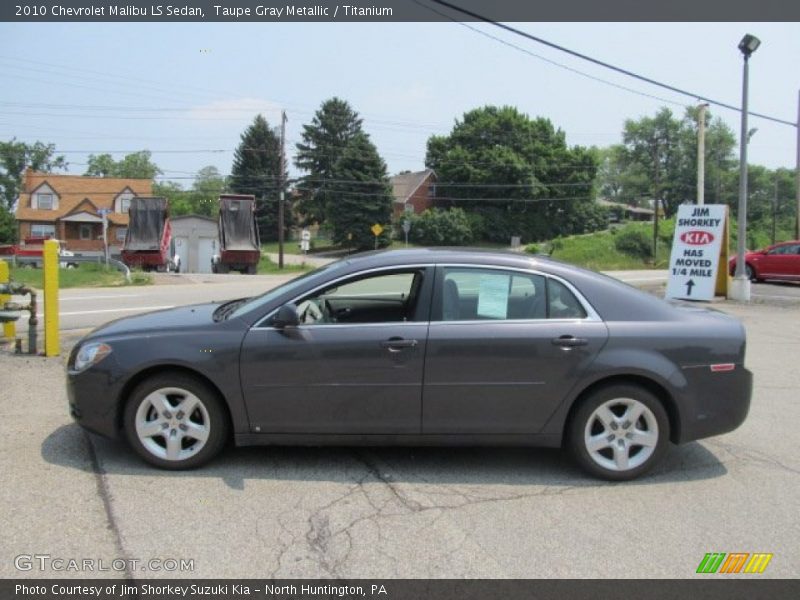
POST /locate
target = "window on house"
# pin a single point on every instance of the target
(124, 204)
(85, 232)
(39, 230)
(432, 190)
(121, 233)
(44, 201)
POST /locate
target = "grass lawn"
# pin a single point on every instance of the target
(597, 251)
(267, 267)
(86, 275)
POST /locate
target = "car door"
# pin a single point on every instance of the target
(504, 349)
(780, 262)
(353, 366)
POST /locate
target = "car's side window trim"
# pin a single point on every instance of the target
(436, 299)
(422, 310)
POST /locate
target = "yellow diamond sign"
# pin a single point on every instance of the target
(376, 229)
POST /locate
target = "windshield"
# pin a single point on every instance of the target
(264, 299)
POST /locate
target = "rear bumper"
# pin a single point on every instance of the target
(719, 402)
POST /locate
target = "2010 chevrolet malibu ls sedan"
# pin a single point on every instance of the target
(419, 347)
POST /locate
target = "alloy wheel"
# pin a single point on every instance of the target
(621, 434)
(172, 423)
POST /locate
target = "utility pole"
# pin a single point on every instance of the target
(774, 207)
(282, 179)
(797, 172)
(655, 203)
(701, 153)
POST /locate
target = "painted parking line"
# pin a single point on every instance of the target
(776, 296)
(112, 310)
(65, 298)
(628, 279)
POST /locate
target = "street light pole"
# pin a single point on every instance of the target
(740, 289)
(281, 198)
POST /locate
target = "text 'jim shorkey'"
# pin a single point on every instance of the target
(735, 562)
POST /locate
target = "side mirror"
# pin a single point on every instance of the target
(287, 317)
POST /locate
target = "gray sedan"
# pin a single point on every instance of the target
(419, 347)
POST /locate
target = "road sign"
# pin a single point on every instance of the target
(406, 226)
(699, 252)
(103, 211)
(376, 229)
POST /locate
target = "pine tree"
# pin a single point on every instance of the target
(334, 125)
(363, 196)
(256, 170)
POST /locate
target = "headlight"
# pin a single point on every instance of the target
(90, 354)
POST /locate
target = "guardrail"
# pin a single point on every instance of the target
(120, 266)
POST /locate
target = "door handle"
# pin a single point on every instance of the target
(398, 344)
(569, 341)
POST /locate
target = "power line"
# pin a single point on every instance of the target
(606, 65)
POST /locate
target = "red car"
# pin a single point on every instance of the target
(779, 261)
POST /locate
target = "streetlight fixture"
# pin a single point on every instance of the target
(740, 289)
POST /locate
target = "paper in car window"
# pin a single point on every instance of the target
(493, 297)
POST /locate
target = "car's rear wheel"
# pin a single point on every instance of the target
(175, 421)
(619, 432)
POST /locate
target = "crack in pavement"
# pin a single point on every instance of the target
(104, 493)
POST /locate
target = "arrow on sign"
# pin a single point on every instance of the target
(689, 285)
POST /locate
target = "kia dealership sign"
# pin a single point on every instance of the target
(698, 263)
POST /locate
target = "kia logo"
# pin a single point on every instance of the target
(697, 238)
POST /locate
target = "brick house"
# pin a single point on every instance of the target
(413, 192)
(67, 207)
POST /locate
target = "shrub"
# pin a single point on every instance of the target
(436, 227)
(633, 242)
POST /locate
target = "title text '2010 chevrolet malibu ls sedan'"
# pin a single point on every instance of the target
(419, 347)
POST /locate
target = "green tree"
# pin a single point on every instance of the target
(333, 127)
(619, 178)
(363, 195)
(8, 226)
(202, 199)
(137, 165)
(666, 147)
(15, 158)
(517, 174)
(256, 170)
(175, 195)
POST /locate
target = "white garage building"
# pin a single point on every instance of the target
(196, 242)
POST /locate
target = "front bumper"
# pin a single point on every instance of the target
(93, 400)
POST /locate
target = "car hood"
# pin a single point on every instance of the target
(161, 321)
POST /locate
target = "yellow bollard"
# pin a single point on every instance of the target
(9, 329)
(51, 342)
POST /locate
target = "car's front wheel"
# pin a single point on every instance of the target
(619, 432)
(175, 421)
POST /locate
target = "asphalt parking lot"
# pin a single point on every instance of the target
(420, 512)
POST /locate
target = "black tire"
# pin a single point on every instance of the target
(251, 269)
(652, 425)
(212, 417)
(750, 272)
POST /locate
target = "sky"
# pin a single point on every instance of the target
(186, 91)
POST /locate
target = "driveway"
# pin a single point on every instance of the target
(419, 512)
